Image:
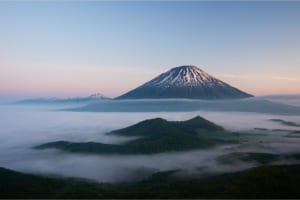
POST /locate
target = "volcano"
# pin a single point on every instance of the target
(189, 82)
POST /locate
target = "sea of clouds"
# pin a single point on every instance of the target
(24, 126)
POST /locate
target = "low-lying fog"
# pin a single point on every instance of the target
(24, 126)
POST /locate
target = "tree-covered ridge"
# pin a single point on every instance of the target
(160, 126)
(155, 136)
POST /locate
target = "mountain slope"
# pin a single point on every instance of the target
(185, 82)
(159, 126)
(266, 182)
(155, 136)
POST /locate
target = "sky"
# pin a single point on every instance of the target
(65, 49)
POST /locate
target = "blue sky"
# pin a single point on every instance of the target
(77, 48)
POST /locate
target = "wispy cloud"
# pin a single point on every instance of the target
(272, 77)
(285, 78)
(236, 76)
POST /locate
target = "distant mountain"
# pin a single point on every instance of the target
(155, 136)
(257, 105)
(89, 99)
(185, 82)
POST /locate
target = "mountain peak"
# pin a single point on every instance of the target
(186, 75)
(188, 67)
(187, 81)
(97, 96)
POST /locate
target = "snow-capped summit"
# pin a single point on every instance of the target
(186, 81)
(182, 76)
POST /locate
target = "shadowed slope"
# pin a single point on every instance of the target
(258, 183)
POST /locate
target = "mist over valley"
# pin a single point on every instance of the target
(26, 126)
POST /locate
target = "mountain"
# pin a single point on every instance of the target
(188, 82)
(155, 136)
(89, 99)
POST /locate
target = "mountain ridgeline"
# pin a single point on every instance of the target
(93, 98)
(188, 82)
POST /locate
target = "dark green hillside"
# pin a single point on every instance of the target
(148, 128)
(198, 123)
(159, 126)
(157, 135)
(19, 185)
(261, 182)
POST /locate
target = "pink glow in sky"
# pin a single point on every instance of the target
(62, 49)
